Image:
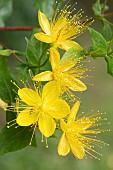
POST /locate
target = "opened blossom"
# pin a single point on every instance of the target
(41, 109)
(62, 29)
(65, 73)
(78, 134)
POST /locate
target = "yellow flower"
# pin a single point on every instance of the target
(77, 136)
(63, 73)
(62, 29)
(41, 109)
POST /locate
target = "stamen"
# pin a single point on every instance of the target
(46, 143)
(11, 125)
(15, 84)
(42, 138)
(33, 134)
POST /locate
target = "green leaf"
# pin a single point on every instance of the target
(7, 88)
(107, 32)
(45, 63)
(72, 54)
(95, 52)
(98, 40)
(6, 7)
(109, 61)
(34, 50)
(23, 72)
(96, 7)
(8, 52)
(5, 52)
(45, 6)
(13, 139)
(37, 55)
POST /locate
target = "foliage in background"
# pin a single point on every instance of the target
(6, 8)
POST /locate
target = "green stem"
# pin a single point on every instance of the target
(105, 2)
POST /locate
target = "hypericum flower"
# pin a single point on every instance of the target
(41, 109)
(62, 29)
(78, 134)
(63, 73)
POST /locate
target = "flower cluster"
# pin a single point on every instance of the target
(47, 108)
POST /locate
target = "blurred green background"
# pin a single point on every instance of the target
(97, 97)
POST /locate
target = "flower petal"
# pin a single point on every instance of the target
(65, 66)
(84, 123)
(57, 108)
(76, 148)
(26, 118)
(44, 23)
(67, 44)
(43, 37)
(73, 113)
(47, 125)
(51, 91)
(44, 76)
(29, 96)
(63, 125)
(54, 57)
(74, 83)
(63, 146)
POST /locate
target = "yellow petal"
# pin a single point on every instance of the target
(84, 123)
(67, 44)
(51, 92)
(63, 146)
(44, 23)
(43, 37)
(73, 113)
(54, 57)
(74, 83)
(63, 125)
(76, 148)
(44, 76)
(29, 96)
(57, 108)
(65, 66)
(46, 125)
(26, 118)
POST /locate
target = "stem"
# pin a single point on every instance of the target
(108, 14)
(3, 45)
(17, 28)
(17, 58)
(21, 61)
(105, 2)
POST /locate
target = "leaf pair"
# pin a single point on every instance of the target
(102, 46)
